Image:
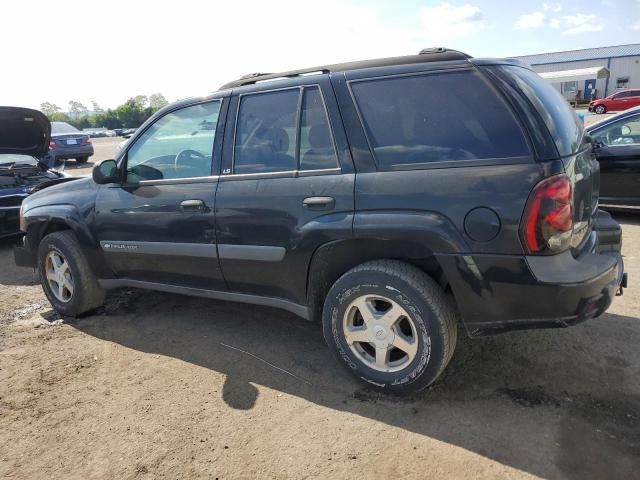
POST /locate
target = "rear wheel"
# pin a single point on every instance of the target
(600, 109)
(81, 160)
(66, 278)
(391, 325)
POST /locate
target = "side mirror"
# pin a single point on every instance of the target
(106, 172)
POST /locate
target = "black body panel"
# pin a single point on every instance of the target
(282, 238)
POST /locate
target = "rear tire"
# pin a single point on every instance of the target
(66, 278)
(600, 109)
(407, 334)
(82, 160)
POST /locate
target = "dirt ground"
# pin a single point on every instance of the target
(161, 386)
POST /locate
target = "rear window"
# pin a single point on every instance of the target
(564, 125)
(417, 120)
(61, 127)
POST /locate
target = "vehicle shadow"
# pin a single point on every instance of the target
(554, 403)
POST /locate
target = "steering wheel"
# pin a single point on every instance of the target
(185, 157)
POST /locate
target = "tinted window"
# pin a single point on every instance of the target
(178, 145)
(61, 127)
(316, 143)
(562, 122)
(266, 132)
(621, 95)
(438, 117)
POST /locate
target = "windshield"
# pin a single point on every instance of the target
(563, 124)
(8, 160)
(61, 127)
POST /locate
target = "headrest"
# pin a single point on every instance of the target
(319, 136)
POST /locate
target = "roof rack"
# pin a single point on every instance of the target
(436, 54)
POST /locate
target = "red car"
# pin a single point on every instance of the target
(618, 101)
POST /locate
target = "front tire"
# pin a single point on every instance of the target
(600, 109)
(66, 278)
(391, 325)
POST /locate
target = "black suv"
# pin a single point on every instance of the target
(390, 199)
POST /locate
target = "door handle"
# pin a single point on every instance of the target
(192, 206)
(319, 203)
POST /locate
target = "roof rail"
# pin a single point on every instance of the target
(426, 55)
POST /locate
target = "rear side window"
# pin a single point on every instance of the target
(563, 124)
(422, 119)
(266, 132)
(277, 133)
(317, 151)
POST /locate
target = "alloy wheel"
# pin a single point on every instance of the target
(380, 333)
(58, 275)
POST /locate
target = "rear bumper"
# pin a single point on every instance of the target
(497, 293)
(61, 153)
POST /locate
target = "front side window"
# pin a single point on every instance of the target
(178, 145)
(623, 132)
(421, 119)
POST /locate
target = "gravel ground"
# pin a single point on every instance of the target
(161, 386)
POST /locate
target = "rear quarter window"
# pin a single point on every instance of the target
(419, 120)
(563, 124)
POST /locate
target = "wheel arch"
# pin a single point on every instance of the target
(332, 260)
(41, 221)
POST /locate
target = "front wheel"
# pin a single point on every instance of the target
(600, 109)
(66, 278)
(391, 325)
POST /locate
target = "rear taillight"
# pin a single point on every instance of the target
(52, 145)
(547, 224)
(86, 139)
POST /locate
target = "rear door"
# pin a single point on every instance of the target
(158, 226)
(286, 187)
(617, 148)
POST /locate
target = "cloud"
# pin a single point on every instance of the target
(531, 20)
(446, 21)
(580, 23)
(568, 24)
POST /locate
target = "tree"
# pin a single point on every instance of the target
(96, 108)
(76, 107)
(131, 114)
(140, 101)
(49, 108)
(157, 101)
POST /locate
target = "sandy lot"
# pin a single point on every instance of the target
(162, 386)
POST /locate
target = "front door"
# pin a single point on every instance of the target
(158, 226)
(618, 151)
(287, 188)
(589, 86)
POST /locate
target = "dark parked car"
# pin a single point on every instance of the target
(24, 134)
(617, 101)
(69, 142)
(389, 199)
(617, 148)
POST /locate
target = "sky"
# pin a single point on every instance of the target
(61, 50)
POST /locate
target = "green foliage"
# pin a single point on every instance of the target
(131, 114)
